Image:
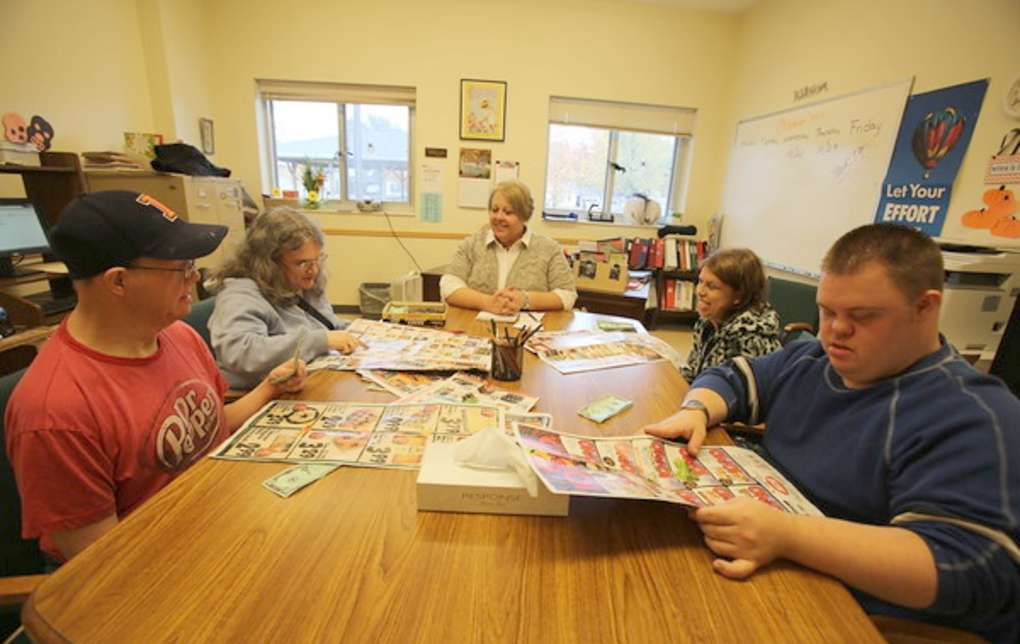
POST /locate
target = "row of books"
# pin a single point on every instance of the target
(683, 254)
(677, 295)
(668, 253)
(112, 160)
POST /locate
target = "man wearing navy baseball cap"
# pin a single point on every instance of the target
(123, 397)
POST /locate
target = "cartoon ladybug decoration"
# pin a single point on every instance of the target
(14, 128)
(40, 133)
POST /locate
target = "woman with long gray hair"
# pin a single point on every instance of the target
(271, 296)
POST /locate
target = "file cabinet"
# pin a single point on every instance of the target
(205, 200)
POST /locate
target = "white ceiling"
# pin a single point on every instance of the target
(723, 6)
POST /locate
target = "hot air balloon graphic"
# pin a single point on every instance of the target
(936, 135)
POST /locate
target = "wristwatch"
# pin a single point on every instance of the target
(527, 301)
(696, 404)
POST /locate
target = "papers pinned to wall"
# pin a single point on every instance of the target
(432, 192)
(474, 178)
(507, 170)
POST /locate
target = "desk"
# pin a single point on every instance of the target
(33, 336)
(214, 556)
(17, 351)
(629, 304)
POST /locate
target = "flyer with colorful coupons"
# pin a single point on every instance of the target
(360, 434)
(644, 467)
(466, 388)
(398, 347)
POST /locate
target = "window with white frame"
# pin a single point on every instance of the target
(602, 153)
(358, 136)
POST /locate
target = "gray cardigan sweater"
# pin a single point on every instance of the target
(250, 336)
(540, 266)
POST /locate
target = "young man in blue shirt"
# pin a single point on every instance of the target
(913, 455)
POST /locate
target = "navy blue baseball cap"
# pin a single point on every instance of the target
(101, 230)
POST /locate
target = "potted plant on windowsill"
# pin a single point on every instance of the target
(312, 180)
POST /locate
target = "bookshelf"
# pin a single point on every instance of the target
(49, 187)
(683, 312)
(53, 184)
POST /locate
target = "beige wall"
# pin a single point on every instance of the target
(606, 50)
(80, 66)
(187, 37)
(183, 69)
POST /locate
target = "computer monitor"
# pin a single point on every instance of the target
(22, 231)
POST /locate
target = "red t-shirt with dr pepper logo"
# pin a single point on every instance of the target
(90, 435)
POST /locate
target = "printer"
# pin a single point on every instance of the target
(980, 288)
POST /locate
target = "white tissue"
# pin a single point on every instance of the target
(491, 449)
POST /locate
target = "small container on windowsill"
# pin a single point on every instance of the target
(368, 205)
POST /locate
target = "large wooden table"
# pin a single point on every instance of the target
(216, 557)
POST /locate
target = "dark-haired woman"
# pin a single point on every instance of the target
(733, 317)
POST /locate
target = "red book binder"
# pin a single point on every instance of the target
(638, 255)
(669, 300)
(658, 255)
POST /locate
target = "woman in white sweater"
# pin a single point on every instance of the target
(504, 267)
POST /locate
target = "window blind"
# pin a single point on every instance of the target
(659, 119)
(337, 92)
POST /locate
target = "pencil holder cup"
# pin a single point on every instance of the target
(507, 361)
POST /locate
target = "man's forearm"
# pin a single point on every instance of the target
(242, 409)
(893, 564)
(71, 542)
(713, 402)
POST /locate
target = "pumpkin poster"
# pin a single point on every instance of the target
(934, 134)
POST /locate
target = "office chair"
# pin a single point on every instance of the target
(200, 287)
(16, 358)
(21, 561)
(198, 318)
(898, 630)
(796, 306)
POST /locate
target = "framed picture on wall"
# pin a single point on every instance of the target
(482, 110)
(205, 128)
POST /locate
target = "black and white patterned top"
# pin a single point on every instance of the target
(751, 334)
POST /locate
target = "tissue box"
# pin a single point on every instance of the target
(445, 486)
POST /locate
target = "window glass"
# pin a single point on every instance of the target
(590, 167)
(376, 140)
(576, 174)
(306, 131)
(647, 168)
(377, 152)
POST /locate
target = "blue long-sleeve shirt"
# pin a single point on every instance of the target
(938, 441)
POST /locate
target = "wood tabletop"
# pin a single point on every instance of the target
(214, 556)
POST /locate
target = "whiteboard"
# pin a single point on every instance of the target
(800, 178)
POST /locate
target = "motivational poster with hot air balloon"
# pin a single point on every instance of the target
(933, 138)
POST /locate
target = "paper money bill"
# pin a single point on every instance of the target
(613, 325)
(604, 407)
(294, 478)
